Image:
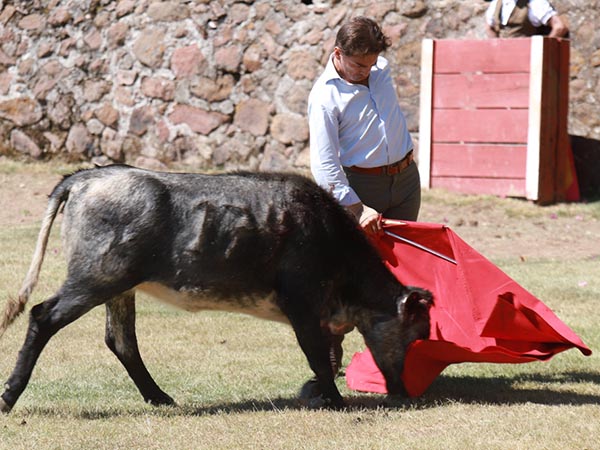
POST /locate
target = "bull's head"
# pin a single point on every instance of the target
(389, 337)
(413, 311)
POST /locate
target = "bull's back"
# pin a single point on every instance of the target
(116, 225)
(236, 231)
(226, 231)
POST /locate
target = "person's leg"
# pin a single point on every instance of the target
(336, 352)
(406, 195)
(373, 190)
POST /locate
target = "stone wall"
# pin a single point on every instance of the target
(217, 84)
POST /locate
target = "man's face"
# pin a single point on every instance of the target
(354, 69)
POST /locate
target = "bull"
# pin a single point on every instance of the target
(275, 246)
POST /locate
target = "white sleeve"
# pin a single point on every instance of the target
(540, 12)
(489, 13)
(325, 162)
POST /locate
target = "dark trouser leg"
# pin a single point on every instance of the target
(396, 197)
(336, 352)
(406, 195)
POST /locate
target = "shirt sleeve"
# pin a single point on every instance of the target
(489, 13)
(540, 12)
(325, 162)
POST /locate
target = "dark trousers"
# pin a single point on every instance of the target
(394, 196)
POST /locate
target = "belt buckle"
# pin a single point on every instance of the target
(393, 169)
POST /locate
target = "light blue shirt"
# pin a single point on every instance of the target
(354, 125)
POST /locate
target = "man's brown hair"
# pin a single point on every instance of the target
(361, 36)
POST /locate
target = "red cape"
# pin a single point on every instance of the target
(480, 314)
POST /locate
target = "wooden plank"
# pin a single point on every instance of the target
(477, 90)
(565, 175)
(549, 123)
(425, 105)
(484, 125)
(484, 161)
(535, 118)
(487, 56)
(488, 186)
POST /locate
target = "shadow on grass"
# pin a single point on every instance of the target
(545, 389)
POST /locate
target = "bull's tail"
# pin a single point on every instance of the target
(15, 307)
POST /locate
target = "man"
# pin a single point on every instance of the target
(523, 18)
(360, 146)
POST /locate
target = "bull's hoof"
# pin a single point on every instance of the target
(321, 402)
(161, 400)
(312, 397)
(314, 402)
(310, 390)
(335, 404)
(4, 408)
(395, 401)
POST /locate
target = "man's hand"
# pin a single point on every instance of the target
(558, 27)
(368, 218)
(490, 31)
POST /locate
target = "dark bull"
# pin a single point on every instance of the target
(271, 245)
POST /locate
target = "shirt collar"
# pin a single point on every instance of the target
(330, 72)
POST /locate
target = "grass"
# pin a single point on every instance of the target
(235, 379)
(512, 208)
(55, 166)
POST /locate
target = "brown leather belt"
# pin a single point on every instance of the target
(392, 169)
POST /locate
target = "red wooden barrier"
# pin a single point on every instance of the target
(494, 117)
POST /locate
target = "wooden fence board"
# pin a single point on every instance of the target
(487, 56)
(477, 90)
(487, 125)
(488, 186)
(483, 161)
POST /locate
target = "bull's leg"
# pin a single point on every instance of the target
(311, 390)
(45, 320)
(316, 347)
(121, 339)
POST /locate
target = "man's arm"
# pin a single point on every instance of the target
(325, 161)
(489, 20)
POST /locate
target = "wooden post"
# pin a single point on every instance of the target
(534, 139)
(424, 154)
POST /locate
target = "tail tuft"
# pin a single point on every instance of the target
(13, 309)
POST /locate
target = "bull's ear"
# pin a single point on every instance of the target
(415, 299)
